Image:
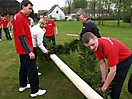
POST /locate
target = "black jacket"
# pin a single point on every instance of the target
(90, 26)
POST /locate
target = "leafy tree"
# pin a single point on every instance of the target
(69, 4)
(128, 10)
(80, 3)
(92, 5)
(123, 10)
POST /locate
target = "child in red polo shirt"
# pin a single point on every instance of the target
(50, 28)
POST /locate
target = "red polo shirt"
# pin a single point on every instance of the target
(113, 50)
(5, 21)
(50, 24)
(21, 27)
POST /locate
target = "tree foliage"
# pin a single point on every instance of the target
(119, 8)
(80, 3)
(72, 4)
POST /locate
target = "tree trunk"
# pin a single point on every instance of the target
(102, 16)
(69, 7)
(99, 21)
(131, 19)
(94, 11)
(118, 20)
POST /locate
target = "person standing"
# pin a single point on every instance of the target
(119, 59)
(24, 47)
(50, 29)
(5, 23)
(88, 26)
(0, 30)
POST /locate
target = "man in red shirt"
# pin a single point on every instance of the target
(50, 28)
(5, 22)
(119, 60)
(24, 47)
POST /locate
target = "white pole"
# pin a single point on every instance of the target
(76, 80)
(72, 35)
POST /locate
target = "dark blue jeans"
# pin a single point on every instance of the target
(7, 34)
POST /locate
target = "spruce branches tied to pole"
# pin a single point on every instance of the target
(88, 64)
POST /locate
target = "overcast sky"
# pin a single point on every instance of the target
(45, 4)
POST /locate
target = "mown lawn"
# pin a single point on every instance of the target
(58, 86)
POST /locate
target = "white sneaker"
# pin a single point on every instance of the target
(0, 40)
(21, 89)
(39, 93)
(39, 73)
(37, 67)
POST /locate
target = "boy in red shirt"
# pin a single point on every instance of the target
(119, 61)
(50, 28)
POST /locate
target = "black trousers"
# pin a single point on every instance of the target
(28, 70)
(7, 34)
(117, 83)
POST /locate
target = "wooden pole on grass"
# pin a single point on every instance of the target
(72, 35)
(76, 80)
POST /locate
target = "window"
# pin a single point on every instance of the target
(57, 12)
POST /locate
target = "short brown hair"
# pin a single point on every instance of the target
(84, 14)
(25, 3)
(87, 37)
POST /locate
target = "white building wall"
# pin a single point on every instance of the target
(58, 14)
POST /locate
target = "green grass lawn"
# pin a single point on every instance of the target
(58, 86)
